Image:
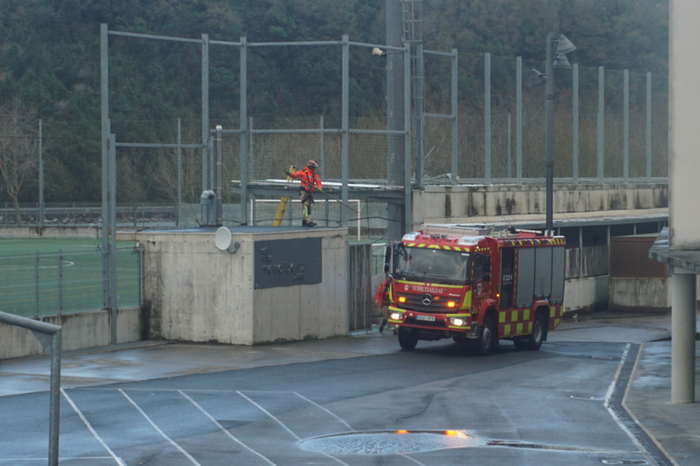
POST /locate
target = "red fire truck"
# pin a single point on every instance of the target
(476, 285)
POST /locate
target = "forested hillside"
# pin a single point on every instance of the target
(50, 69)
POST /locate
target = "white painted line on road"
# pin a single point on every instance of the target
(610, 410)
(224, 430)
(324, 409)
(89, 426)
(285, 427)
(269, 414)
(413, 459)
(172, 442)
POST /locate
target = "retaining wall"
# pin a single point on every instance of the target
(80, 330)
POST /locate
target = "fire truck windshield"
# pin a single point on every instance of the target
(432, 265)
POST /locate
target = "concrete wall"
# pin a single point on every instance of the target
(684, 114)
(446, 204)
(58, 231)
(586, 293)
(80, 330)
(641, 294)
(195, 292)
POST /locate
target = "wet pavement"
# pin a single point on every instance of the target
(674, 429)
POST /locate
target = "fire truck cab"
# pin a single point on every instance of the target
(476, 285)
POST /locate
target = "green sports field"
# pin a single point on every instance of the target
(50, 276)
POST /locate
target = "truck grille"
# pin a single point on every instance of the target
(415, 303)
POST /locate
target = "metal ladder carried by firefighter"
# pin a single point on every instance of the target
(284, 203)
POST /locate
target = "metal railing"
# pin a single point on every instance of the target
(49, 336)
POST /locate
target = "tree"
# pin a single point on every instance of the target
(19, 148)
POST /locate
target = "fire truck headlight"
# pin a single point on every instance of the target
(395, 316)
(458, 321)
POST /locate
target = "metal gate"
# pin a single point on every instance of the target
(361, 306)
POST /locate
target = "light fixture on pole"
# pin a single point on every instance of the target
(377, 52)
(564, 46)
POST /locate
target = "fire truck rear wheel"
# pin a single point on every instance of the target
(489, 337)
(533, 341)
(407, 340)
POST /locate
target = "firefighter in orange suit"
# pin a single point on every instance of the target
(381, 299)
(310, 182)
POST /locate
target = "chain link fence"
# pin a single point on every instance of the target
(53, 283)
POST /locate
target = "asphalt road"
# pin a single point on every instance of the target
(547, 407)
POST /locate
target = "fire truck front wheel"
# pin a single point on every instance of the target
(407, 339)
(489, 337)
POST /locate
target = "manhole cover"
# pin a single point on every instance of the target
(389, 443)
(624, 462)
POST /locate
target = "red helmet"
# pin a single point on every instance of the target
(312, 164)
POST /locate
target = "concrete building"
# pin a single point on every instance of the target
(679, 245)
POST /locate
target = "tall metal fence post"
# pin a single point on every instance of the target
(322, 160)
(243, 111)
(345, 123)
(219, 177)
(519, 119)
(206, 166)
(104, 90)
(408, 208)
(575, 141)
(648, 127)
(601, 123)
(60, 282)
(141, 274)
(251, 150)
(510, 152)
(455, 116)
(36, 285)
(112, 233)
(419, 104)
(487, 118)
(179, 171)
(41, 174)
(626, 127)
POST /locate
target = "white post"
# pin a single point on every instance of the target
(683, 323)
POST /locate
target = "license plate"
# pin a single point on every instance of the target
(426, 318)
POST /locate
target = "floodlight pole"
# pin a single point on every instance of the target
(549, 136)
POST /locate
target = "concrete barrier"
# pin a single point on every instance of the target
(58, 231)
(479, 203)
(80, 330)
(589, 293)
(640, 294)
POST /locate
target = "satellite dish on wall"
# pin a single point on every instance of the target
(223, 239)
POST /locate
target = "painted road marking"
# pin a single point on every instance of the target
(172, 442)
(89, 426)
(224, 430)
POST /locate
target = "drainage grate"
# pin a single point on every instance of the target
(404, 441)
(389, 443)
